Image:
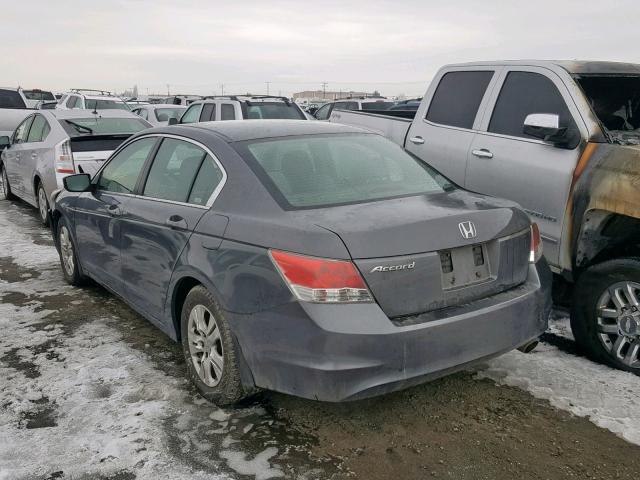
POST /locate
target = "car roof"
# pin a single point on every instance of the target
(576, 67)
(240, 130)
(88, 113)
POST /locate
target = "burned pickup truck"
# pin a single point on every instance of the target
(563, 140)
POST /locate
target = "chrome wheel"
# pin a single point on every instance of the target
(618, 319)
(42, 203)
(205, 345)
(66, 251)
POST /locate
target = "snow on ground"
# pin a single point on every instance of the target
(609, 398)
(82, 401)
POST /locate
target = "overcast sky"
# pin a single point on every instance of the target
(195, 46)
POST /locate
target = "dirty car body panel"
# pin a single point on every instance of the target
(420, 318)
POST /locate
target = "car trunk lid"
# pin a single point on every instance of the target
(423, 253)
(90, 151)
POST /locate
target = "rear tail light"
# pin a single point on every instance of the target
(322, 280)
(536, 244)
(64, 158)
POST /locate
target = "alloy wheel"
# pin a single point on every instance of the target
(205, 345)
(618, 322)
(66, 251)
(42, 203)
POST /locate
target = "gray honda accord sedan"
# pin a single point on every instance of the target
(309, 258)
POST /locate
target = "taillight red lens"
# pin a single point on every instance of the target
(536, 244)
(315, 279)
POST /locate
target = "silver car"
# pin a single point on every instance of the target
(48, 145)
(159, 114)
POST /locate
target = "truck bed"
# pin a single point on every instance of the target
(392, 124)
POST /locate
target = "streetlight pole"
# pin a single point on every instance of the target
(267, 87)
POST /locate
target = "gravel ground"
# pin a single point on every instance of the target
(90, 390)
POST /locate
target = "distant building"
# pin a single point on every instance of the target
(319, 95)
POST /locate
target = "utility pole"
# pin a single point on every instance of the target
(324, 90)
(222, 88)
(168, 94)
(267, 87)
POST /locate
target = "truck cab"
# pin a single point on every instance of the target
(561, 138)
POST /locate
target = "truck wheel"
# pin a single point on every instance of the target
(6, 189)
(605, 316)
(209, 350)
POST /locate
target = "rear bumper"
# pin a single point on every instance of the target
(347, 352)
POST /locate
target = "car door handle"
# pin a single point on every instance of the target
(17, 156)
(482, 153)
(114, 210)
(418, 140)
(176, 222)
(34, 155)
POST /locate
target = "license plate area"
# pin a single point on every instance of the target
(464, 266)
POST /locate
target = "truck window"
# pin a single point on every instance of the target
(523, 93)
(227, 112)
(208, 112)
(457, 98)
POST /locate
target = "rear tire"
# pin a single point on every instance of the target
(5, 191)
(209, 349)
(605, 315)
(68, 255)
(43, 204)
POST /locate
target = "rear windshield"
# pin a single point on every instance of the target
(377, 105)
(105, 105)
(275, 110)
(11, 99)
(615, 99)
(164, 114)
(102, 126)
(323, 170)
(38, 95)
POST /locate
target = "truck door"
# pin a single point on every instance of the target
(505, 162)
(445, 123)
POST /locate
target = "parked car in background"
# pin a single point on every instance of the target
(355, 103)
(20, 98)
(158, 114)
(83, 98)
(36, 97)
(51, 144)
(406, 105)
(240, 107)
(181, 99)
(318, 260)
(561, 139)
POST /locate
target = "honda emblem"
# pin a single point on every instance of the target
(467, 230)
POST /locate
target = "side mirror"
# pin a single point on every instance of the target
(80, 182)
(173, 121)
(5, 142)
(545, 126)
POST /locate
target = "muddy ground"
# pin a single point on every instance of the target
(457, 427)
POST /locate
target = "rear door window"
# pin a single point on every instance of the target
(20, 135)
(227, 112)
(121, 174)
(71, 102)
(39, 129)
(173, 170)
(524, 93)
(209, 177)
(208, 112)
(457, 98)
(192, 114)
